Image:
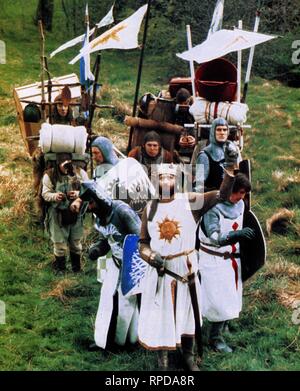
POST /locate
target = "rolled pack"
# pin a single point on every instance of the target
(204, 111)
(63, 138)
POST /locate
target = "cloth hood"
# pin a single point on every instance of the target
(229, 210)
(91, 191)
(216, 149)
(106, 147)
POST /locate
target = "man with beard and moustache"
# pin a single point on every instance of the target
(117, 315)
(168, 314)
(151, 153)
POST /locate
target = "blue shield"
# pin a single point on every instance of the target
(133, 267)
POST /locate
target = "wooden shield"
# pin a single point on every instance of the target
(245, 168)
(253, 252)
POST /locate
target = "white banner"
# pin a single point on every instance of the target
(122, 36)
(223, 42)
(108, 19)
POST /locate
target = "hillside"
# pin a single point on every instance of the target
(49, 319)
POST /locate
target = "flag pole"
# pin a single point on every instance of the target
(239, 68)
(49, 90)
(87, 26)
(192, 69)
(138, 82)
(93, 106)
(84, 76)
(43, 100)
(250, 60)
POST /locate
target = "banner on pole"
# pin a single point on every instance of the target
(122, 36)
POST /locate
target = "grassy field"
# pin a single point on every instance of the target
(49, 319)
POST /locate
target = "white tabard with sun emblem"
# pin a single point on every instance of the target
(172, 228)
(166, 310)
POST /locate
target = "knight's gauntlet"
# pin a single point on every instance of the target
(156, 260)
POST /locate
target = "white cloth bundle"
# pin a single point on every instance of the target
(63, 138)
(204, 111)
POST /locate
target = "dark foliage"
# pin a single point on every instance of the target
(167, 29)
(44, 13)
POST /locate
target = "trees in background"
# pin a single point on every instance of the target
(167, 32)
(44, 12)
(167, 28)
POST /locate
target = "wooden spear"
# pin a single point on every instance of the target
(138, 82)
(43, 101)
(250, 60)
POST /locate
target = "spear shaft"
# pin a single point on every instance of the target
(43, 101)
(138, 82)
(250, 60)
(93, 106)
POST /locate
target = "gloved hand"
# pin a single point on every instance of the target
(231, 154)
(243, 234)
(99, 249)
(157, 262)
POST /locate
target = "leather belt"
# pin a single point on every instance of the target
(170, 257)
(225, 255)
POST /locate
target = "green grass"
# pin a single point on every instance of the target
(45, 333)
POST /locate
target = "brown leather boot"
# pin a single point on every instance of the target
(188, 354)
(163, 360)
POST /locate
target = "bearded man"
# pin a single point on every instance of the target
(170, 313)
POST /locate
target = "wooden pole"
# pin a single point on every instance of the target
(42, 49)
(138, 82)
(239, 69)
(49, 90)
(192, 69)
(92, 107)
(250, 60)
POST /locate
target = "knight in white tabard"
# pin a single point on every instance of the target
(170, 314)
(220, 231)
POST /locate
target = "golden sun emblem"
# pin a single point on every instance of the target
(111, 34)
(168, 229)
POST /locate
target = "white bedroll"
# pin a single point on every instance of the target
(63, 138)
(32, 93)
(204, 111)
